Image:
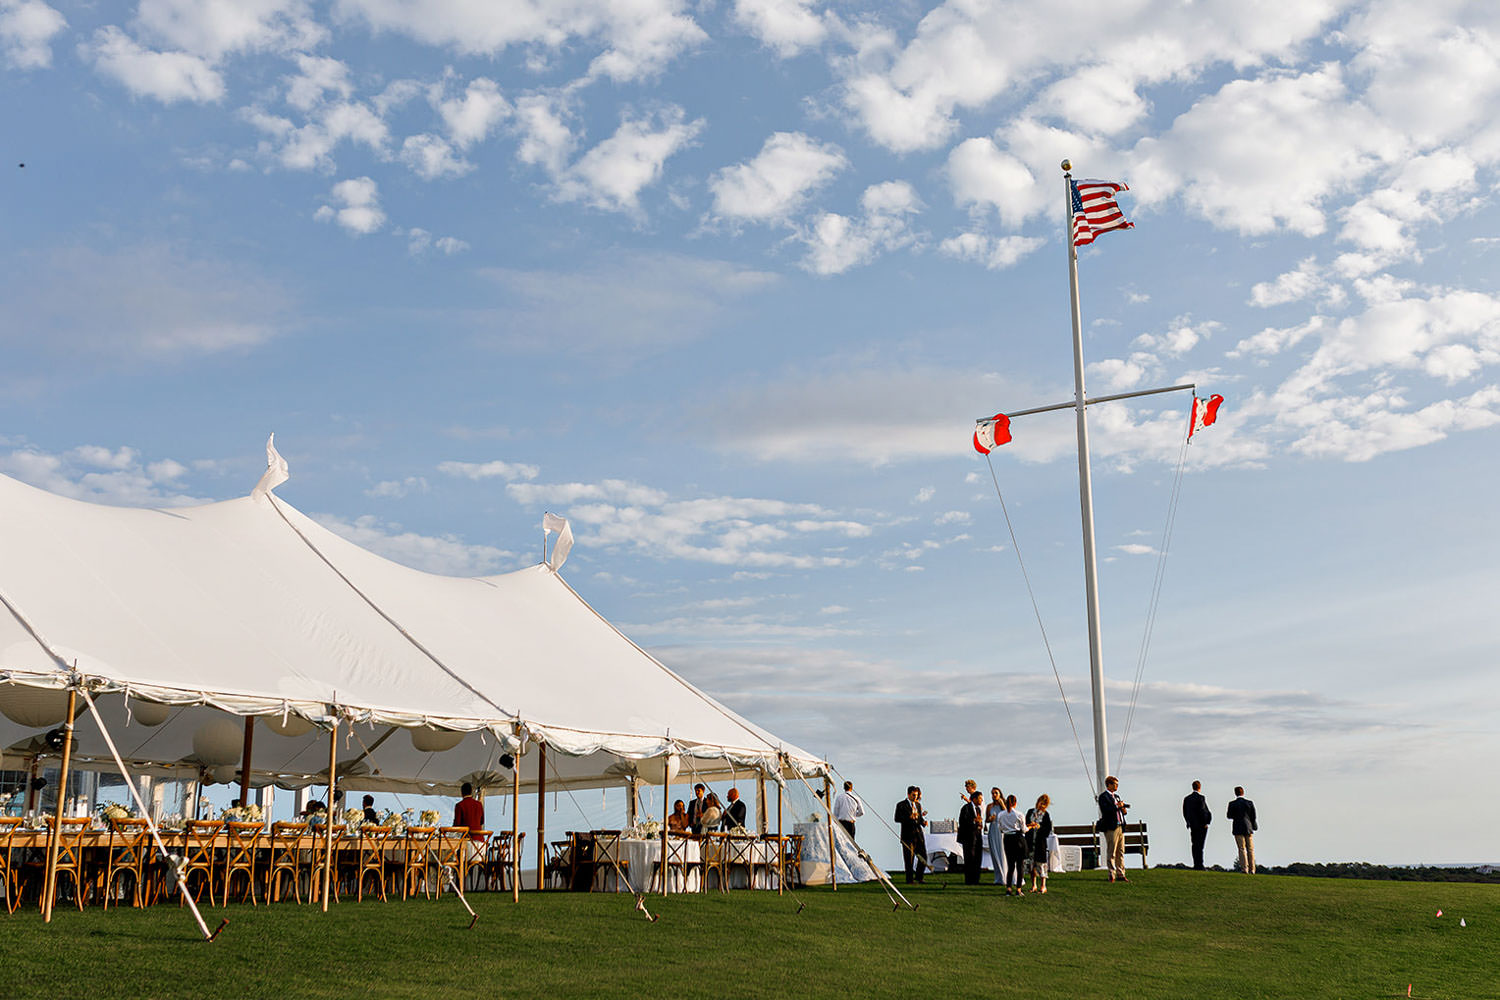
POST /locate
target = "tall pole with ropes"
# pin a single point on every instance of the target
(1086, 501)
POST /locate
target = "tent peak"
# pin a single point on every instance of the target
(276, 470)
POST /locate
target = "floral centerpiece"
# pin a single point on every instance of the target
(396, 821)
(649, 830)
(242, 814)
(429, 817)
(114, 811)
(353, 819)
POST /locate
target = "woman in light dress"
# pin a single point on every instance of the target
(713, 813)
(992, 826)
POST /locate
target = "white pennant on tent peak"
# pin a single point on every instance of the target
(276, 470)
(564, 543)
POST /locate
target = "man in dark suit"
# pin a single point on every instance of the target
(734, 816)
(1242, 820)
(1112, 825)
(695, 810)
(971, 835)
(911, 818)
(1197, 816)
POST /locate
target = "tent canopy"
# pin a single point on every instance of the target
(250, 608)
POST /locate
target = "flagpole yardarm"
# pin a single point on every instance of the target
(1086, 495)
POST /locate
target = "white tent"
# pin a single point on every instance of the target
(250, 608)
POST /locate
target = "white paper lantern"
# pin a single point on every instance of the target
(294, 726)
(225, 774)
(659, 770)
(218, 741)
(435, 740)
(34, 708)
(149, 713)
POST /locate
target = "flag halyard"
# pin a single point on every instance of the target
(1095, 210)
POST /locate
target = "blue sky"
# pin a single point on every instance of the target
(727, 284)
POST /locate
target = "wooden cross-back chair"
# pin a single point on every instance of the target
(792, 859)
(416, 855)
(69, 856)
(200, 848)
(321, 847)
(453, 853)
(128, 854)
(10, 870)
(607, 858)
(497, 859)
(559, 863)
(285, 860)
(681, 847)
(370, 859)
(243, 841)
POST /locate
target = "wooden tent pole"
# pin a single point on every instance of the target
(760, 803)
(833, 868)
(333, 753)
(780, 843)
(666, 813)
(541, 817)
(515, 829)
(55, 841)
(245, 761)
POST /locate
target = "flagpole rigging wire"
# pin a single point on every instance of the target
(1093, 792)
(1155, 603)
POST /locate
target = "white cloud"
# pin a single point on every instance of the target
(420, 241)
(613, 174)
(317, 76)
(214, 29)
(1302, 282)
(954, 517)
(395, 489)
(546, 139)
(1135, 549)
(788, 26)
(775, 182)
(1266, 154)
(310, 146)
(471, 118)
(358, 211)
(26, 31)
(101, 475)
(835, 243)
(168, 77)
(430, 157)
(981, 176)
(924, 495)
(636, 39)
(995, 253)
(495, 469)
(444, 554)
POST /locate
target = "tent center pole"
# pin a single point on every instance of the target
(833, 868)
(245, 761)
(50, 883)
(541, 817)
(333, 753)
(515, 829)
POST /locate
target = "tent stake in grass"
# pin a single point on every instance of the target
(453, 884)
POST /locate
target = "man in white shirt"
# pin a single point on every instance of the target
(847, 808)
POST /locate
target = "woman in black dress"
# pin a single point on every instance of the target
(1038, 831)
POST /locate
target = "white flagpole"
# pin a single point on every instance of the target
(1086, 499)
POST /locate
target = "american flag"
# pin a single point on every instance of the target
(1095, 211)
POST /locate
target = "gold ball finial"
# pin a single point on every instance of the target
(1067, 165)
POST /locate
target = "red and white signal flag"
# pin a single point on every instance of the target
(1205, 412)
(991, 433)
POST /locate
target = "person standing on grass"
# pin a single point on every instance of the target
(847, 808)
(1013, 838)
(1197, 816)
(1242, 817)
(992, 825)
(971, 836)
(1039, 832)
(1112, 825)
(911, 818)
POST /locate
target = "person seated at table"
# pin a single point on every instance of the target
(371, 816)
(734, 816)
(678, 821)
(712, 813)
(313, 808)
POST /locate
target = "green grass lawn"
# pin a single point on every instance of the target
(1168, 933)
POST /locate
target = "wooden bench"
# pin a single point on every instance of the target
(1137, 841)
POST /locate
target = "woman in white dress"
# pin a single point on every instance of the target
(992, 826)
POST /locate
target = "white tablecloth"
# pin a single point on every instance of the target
(641, 858)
